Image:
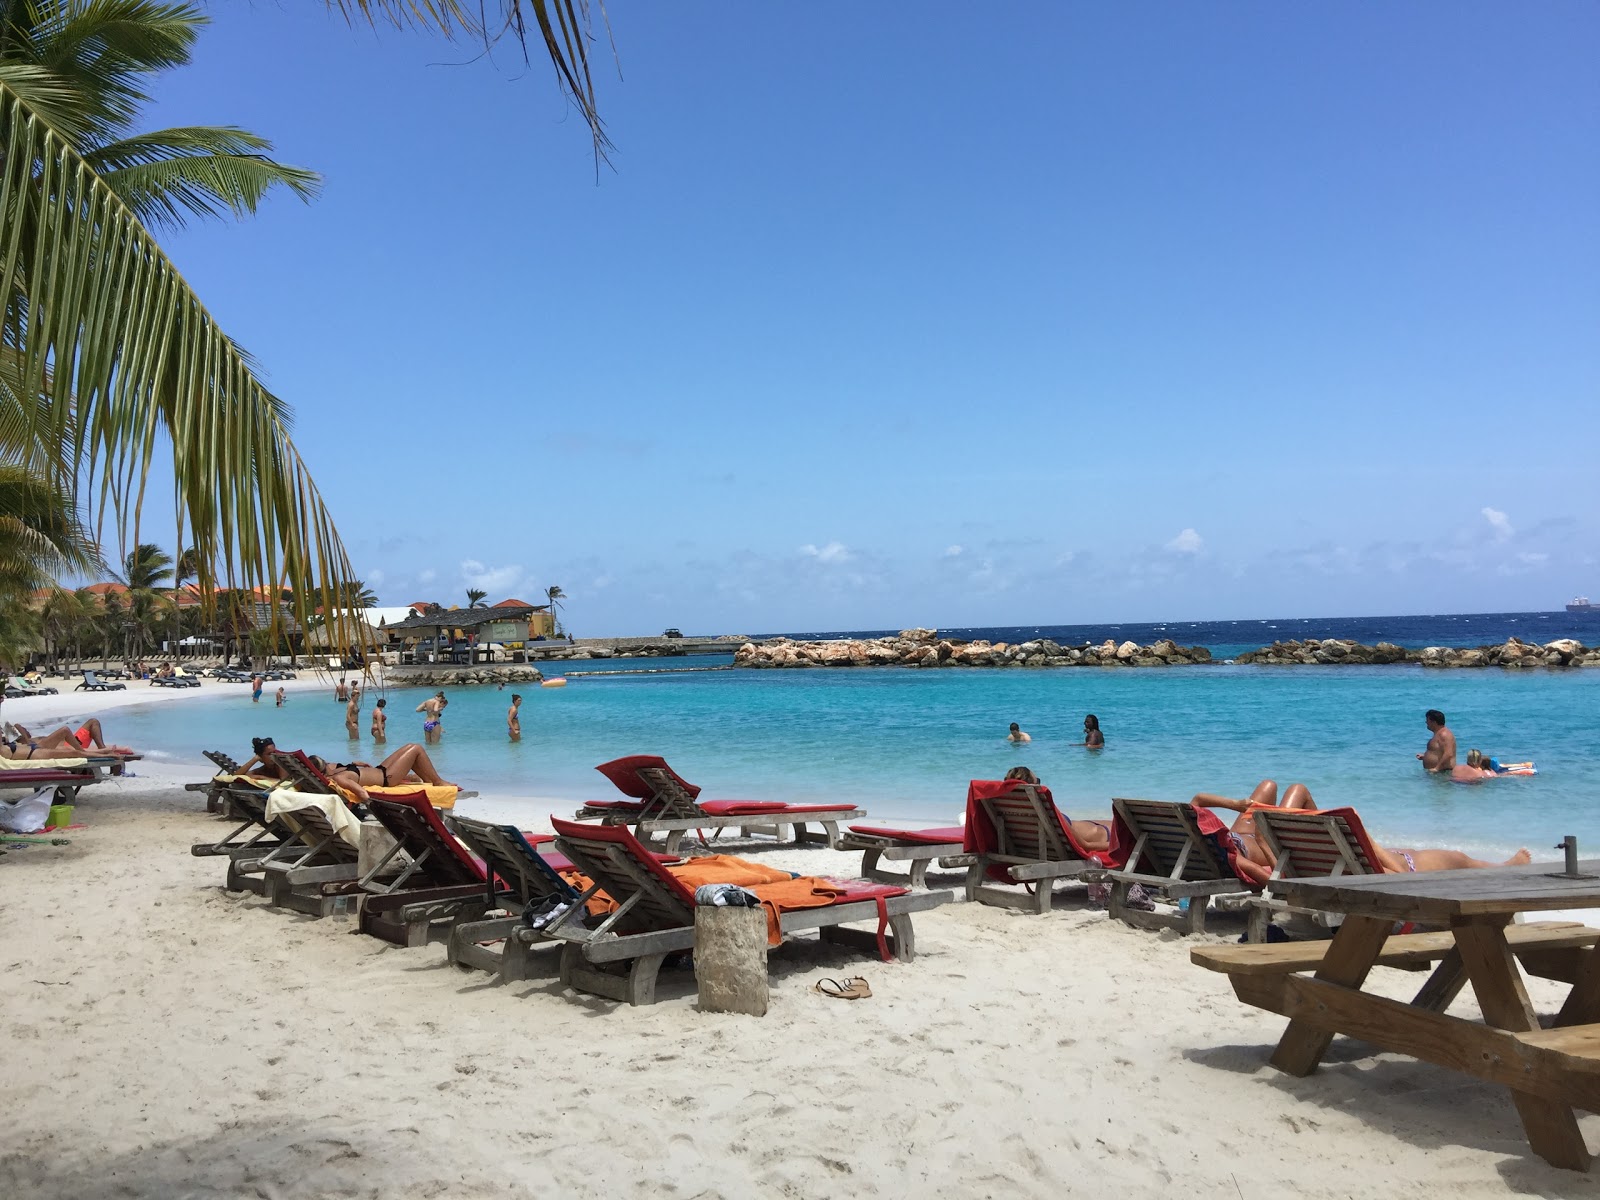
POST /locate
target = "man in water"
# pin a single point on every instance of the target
(283, 694)
(1440, 756)
(1016, 734)
(380, 721)
(257, 682)
(514, 719)
(341, 692)
(432, 710)
(352, 716)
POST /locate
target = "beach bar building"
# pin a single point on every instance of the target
(464, 635)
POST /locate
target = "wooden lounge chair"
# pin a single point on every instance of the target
(662, 801)
(254, 837)
(316, 872)
(66, 775)
(214, 787)
(1309, 844)
(441, 880)
(621, 956)
(1016, 835)
(298, 768)
(521, 875)
(1177, 851)
(93, 683)
(919, 847)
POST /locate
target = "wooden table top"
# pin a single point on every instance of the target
(1442, 895)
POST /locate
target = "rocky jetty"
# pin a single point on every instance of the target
(460, 676)
(925, 648)
(1513, 653)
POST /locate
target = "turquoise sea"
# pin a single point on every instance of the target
(903, 743)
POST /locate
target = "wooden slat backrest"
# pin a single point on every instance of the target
(527, 876)
(310, 826)
(1164, 829)
(621, 875)
(668, 800)
(445, 864)
(1027, 826)
(1310, 845)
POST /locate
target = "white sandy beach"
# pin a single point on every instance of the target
(169, 1039)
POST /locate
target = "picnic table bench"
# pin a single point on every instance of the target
(1549, 1071)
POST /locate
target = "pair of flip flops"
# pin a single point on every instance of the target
(843, 989)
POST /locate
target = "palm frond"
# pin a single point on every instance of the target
(565, 27)
(124, 357)
(205, 170)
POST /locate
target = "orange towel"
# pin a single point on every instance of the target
(725, 868)
(806, 892)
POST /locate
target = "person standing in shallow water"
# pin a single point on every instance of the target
(1092, 737)
(1440, 756)
(1016, 734)
(341, 692)
(432, 710)
(352, 716)
(380, 721)
(514, 718)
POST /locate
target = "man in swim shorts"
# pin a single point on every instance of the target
(1016, 734)
(256, 684)
(1440, 756)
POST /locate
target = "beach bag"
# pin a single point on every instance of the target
(28, 814)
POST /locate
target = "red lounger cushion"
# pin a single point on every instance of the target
(734, 808)
(929, 837)
(794, 808)
(623, 805)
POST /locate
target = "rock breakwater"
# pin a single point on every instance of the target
(460, 676)
(925, 648)
(1513, 653)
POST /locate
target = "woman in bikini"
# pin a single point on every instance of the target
(1258, 861)
(409, 764)
(1091, 835)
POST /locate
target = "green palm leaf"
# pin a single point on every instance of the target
(124, 357)
(208, 171)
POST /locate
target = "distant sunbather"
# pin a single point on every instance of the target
(79, 740)
(1256, 860)
(409, 764)
(1091, 835)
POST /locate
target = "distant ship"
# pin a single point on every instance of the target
(1581, 604)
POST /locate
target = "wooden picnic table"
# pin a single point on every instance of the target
(1549, 1071)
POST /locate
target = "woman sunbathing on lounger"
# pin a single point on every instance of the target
(1091, 835)
(409, 764)
(78, 740)
(1256, 860)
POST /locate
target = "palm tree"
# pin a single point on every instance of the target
(146, 567)
(476, 597)
(554, 594)
(357, 595)
(102, 344)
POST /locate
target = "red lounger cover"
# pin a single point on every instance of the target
(624, 773)
(926, 837)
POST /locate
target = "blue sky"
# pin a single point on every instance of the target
(944, 315)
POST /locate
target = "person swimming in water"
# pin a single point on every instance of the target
(1258, 861)
(1093, 739)
(1016, 734)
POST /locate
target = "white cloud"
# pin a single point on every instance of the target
(1499, 522)
(375, 578)
(427, 575)
(1534, 560)
(1187, 542)
(833, 552)
(499, 582)
(952, 551)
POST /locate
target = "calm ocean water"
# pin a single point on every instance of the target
(904, 743)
